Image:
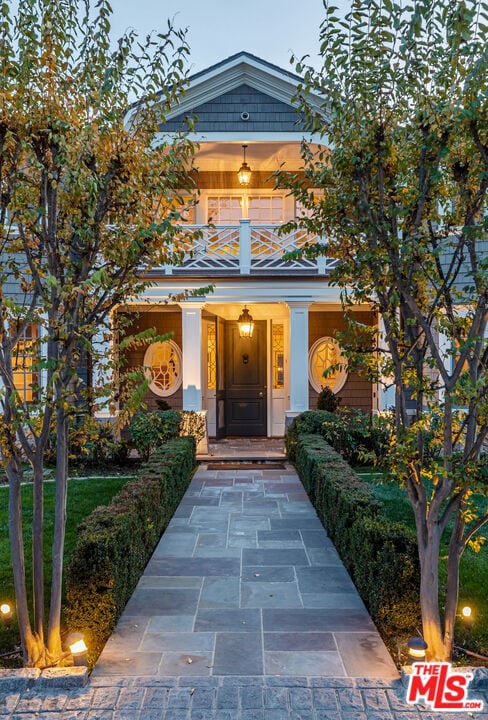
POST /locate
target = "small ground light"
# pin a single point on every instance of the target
(467, 616)
(6, 611)
(416, 649)
(78, 648)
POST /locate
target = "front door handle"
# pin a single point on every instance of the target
(261, 394)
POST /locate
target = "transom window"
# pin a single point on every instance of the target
(324, 354)
(163, 367)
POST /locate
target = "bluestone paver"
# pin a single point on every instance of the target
(245, 612)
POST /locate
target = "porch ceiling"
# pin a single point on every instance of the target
(261, 156)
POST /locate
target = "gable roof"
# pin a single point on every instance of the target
(243, 68)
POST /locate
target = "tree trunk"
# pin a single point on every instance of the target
(456, 548)
(429, 598)
(54, 632)
(38, 546)
(32, 646)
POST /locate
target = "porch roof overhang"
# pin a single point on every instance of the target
(237, 289)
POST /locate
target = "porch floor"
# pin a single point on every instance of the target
(244, 448)
(245, 582)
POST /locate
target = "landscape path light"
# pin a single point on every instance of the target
(78, 648)
(417, 648)
(7, 614)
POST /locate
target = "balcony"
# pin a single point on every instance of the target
(247, 249)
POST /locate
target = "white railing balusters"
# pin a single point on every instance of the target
(245, 248)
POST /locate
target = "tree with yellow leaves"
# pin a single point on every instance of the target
(87, 203)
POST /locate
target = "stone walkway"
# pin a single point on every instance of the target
(245, 581)
(244, 612)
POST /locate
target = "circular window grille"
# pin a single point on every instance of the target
(163, 367)
(323, 354)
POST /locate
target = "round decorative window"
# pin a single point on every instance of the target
(163, 367)
(323, 354)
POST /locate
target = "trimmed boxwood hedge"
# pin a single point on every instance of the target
(380, 555)
(116, 541)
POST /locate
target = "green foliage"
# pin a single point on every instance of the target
(357, 436)
(327, 400)
(91, 195)
(83, 497)
(150, 430)
(91, 444)
(381, 556)
(401, 195)
(115, 542)
(193, 423)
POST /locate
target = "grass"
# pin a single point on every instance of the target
(473, 570)
(83, 497)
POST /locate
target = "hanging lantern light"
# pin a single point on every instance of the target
(245, 323)
(244, 172)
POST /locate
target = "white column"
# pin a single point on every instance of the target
(42, 330)
(192, 354)
(298, 357)
(101, 374)
(245, 247)
(386, 385)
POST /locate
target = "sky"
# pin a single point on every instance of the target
(270, 29)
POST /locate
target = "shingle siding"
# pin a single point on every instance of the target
(223, 114)
(357, 392)
(464, 278)
(11, 285)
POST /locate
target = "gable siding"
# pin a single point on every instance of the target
(223, 114)
(464, 279)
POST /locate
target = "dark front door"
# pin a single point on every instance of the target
(245, 380)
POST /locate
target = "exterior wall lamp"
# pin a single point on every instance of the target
(244, 172)
(245, 323)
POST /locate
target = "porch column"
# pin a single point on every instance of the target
(192, 354)
(101, 374)
(298, 358)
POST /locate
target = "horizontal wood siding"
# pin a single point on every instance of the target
(163, 322)
(223, 114)
(357, 391)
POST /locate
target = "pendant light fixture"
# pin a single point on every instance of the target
(245, 323)
(244, 172)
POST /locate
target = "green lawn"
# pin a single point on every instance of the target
(474, 565)
(83, 497)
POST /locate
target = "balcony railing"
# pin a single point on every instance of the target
(247, 248)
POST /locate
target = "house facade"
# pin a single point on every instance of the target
(251, 352)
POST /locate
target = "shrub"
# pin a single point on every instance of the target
(116, 542)
(91, 443)
(327, 400)
(150, 430)
(309, 423)
(359, 437)
(380, 555)
(193, 423)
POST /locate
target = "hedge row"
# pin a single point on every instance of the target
(380, 555)
(115, 542)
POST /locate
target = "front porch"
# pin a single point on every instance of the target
(249, 386)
